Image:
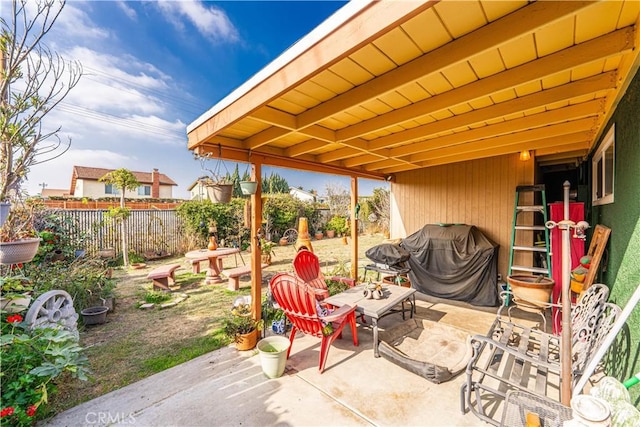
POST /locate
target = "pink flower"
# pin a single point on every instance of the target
(31, 410)
(14, 318)
(6, 412)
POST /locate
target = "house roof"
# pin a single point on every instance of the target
(385, 87)
(94, 174)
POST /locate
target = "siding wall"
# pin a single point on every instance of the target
(479, 192)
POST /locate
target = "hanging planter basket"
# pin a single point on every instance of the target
(248, 187)
(19, 251)
(220, 193)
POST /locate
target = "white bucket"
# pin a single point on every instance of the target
(273, 355)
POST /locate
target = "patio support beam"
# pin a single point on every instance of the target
(256, 262)
(422, 149)
(528, 135)
(606, 46)
(518, 23)
(591, 85)
(354, 228)
(576, 141)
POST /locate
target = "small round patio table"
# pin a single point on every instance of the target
(213, 271)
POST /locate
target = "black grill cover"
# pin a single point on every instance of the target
(454, 262)
(387, 253)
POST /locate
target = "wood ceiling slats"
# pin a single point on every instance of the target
(481, 40)
(461, 20)
(512, 138)
(426, 31)
(556, 36)
(398, 46)
(599, 19)
(351, 72)
(561, 93)
(458, 80)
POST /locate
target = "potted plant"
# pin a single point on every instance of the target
(19, 240)
(219, 189)
(337, 224)
(15, 293)
(266, 250)
(242, 328)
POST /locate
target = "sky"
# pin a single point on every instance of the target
(151, 68)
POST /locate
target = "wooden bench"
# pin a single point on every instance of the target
(234, 275)
(163, 276)
(516, 357)
(195, 263)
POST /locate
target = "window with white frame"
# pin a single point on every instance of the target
(144, 190)
(603, 170)
(111, 189)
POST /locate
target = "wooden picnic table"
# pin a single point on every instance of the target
(213, 271)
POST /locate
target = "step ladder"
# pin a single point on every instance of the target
(540, 249)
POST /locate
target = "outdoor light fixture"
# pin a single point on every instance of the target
(525, 155)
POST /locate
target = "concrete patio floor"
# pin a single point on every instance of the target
(228, 388)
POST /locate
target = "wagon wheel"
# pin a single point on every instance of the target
(53, 309)
(291, 235)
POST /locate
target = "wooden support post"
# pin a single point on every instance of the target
(256, 263)
(354, 228)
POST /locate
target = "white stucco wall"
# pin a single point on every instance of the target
(95, 189)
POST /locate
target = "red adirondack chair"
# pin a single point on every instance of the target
(307, 267)
(298, 301)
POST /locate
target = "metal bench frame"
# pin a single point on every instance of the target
(516, 357)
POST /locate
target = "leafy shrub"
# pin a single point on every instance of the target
(338, 224)
(85, 279)
(31, 361)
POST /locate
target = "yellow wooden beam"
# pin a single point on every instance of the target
(487, 37)
(601, 82)
(611, 44)
(547, 118)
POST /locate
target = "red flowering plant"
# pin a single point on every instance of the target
(32, 359)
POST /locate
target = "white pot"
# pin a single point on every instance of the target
(273, 355)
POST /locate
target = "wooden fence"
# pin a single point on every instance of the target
(150, 233)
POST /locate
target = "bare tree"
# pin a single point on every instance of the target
(338, 198)
(34, 81)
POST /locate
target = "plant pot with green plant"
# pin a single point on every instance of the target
(266, 250)
(19, 240)
(241, 327)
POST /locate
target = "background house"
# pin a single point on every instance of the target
(303, 195)
(85, 182)
(197, 191)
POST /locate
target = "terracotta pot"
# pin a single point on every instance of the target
(331, 234)
(319, 236)
(532, 290)
(283, 242)
(247, 341)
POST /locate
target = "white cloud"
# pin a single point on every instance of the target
(212, 22)
(131, 14)
(74, 23)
